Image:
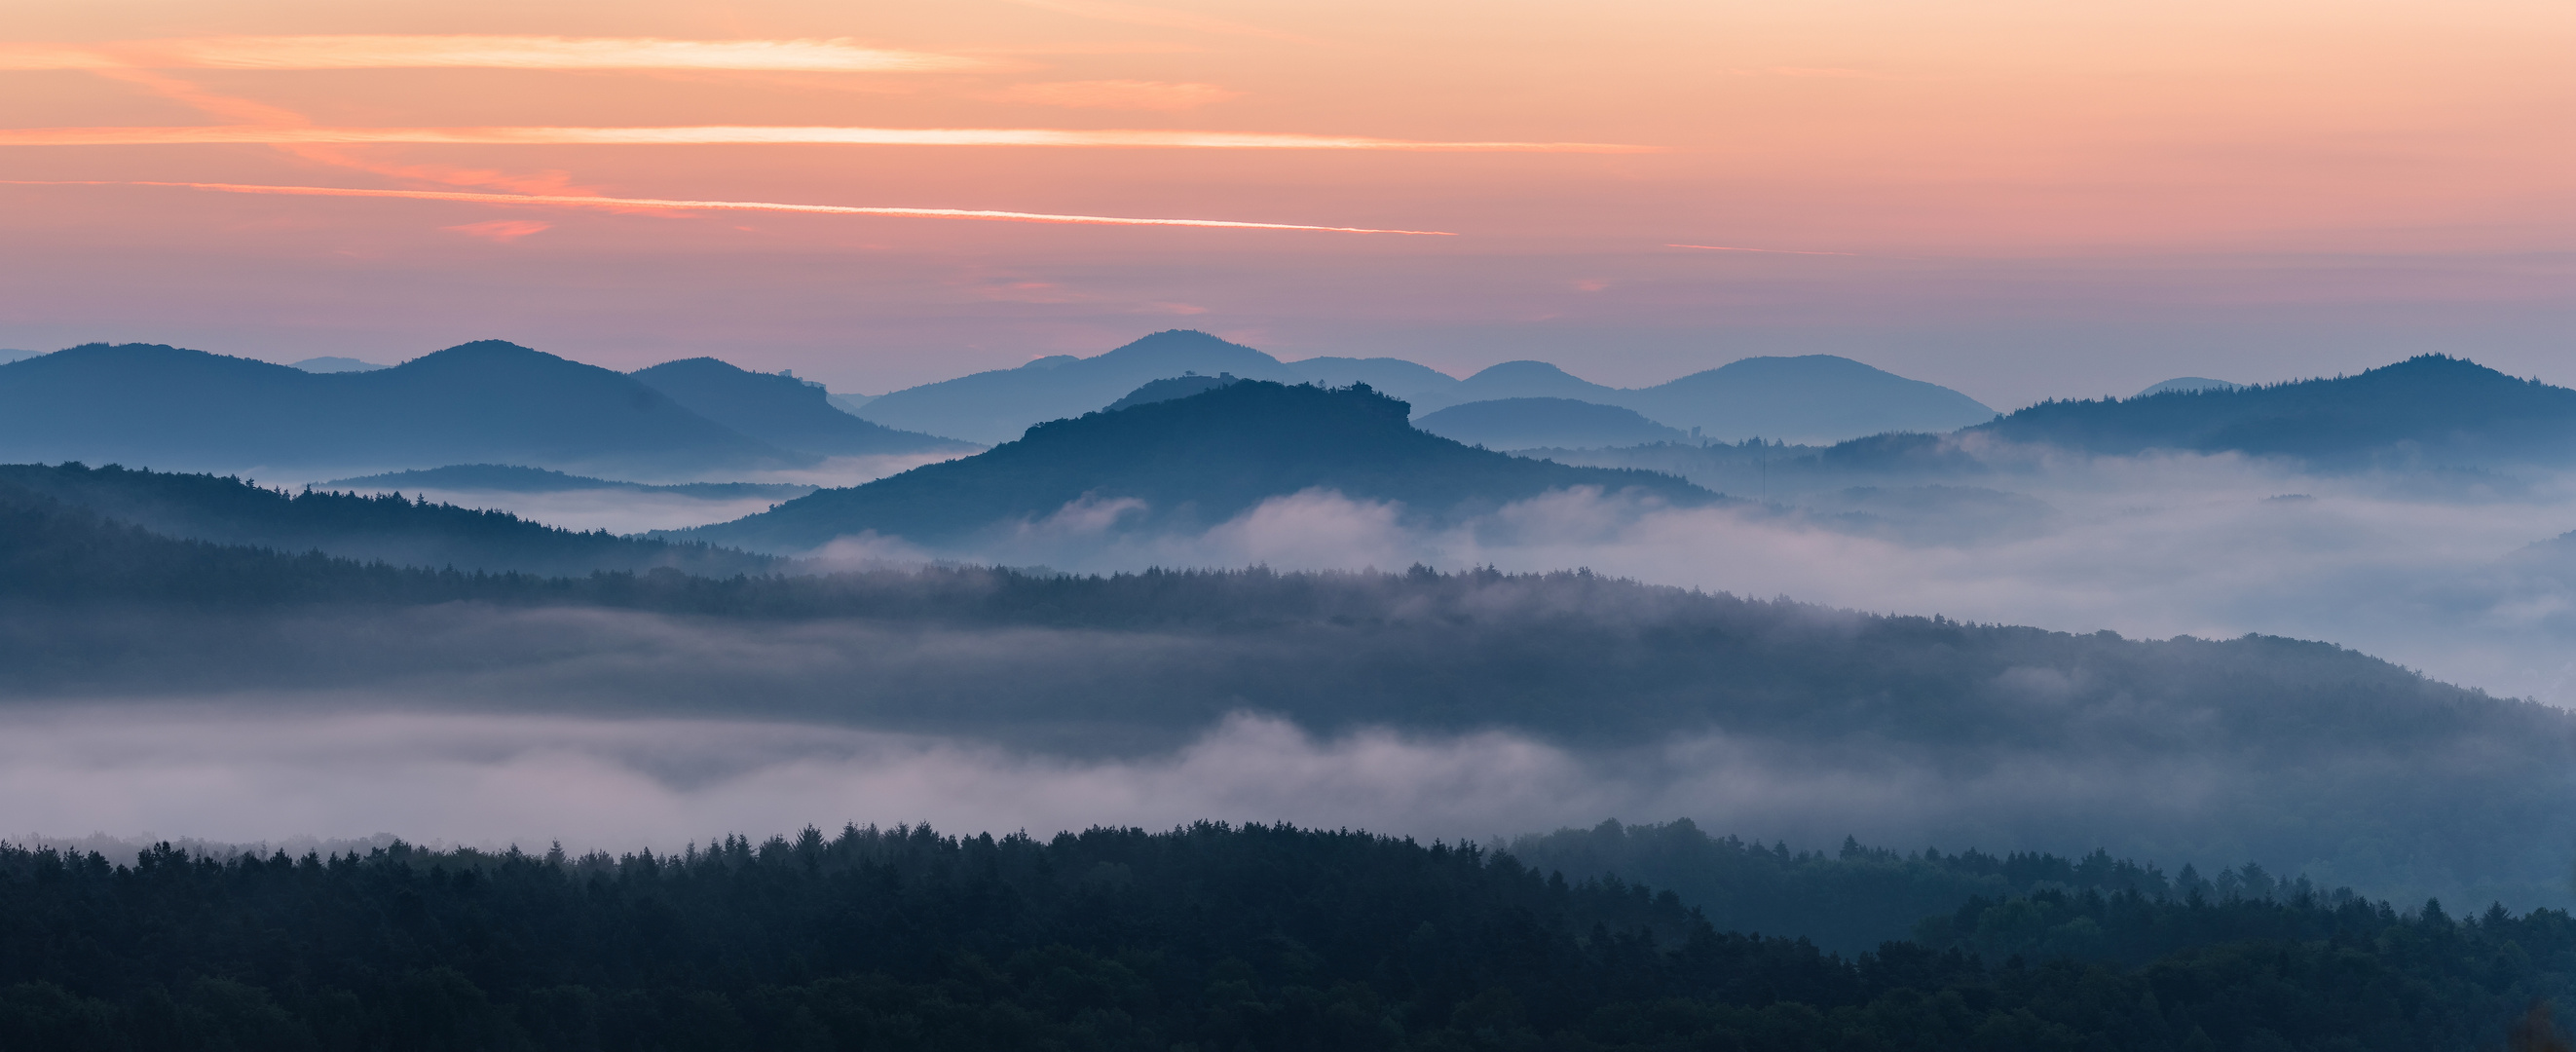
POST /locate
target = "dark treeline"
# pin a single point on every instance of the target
(1855, 898)
(1858, 895)
(1207, 937)
(385, 528)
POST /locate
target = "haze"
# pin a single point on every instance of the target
(2017, 200)
(1240, 524)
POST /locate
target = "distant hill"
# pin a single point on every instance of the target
(485, 402)
(1166, 390)
(2188, 383)
(1815, 398)
(1394, 376)
(781, 410)
(1530, 423)
(329, 364)
(505, 478)
(1193, 462)
(388, 529)
(994, 407)
(1809, 398)
(2430, 408)
(1521, 379)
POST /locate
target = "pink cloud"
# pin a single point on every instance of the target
(502, 230)
(632, 204)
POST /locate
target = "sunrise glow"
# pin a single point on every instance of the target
(1670, 184)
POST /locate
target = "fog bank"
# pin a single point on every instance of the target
(246, 772)
(2416, 568)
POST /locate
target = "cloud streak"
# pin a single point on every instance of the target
(738, 135)
(654, 204)
(836, 55)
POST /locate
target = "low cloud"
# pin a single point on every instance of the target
(239, 772)
(502, 230)
(2404, 567)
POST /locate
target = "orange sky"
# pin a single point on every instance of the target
(2017, 199)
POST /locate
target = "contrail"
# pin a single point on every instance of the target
(636, 203)
(1769, 251)
(286, 134)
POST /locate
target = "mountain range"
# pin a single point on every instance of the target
(1808, 398)
(1181, 463)
(483, 402)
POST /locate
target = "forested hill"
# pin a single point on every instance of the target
(1192, 462)
(388, 528)
(2430, 408)
(782, 410)
(1207, 937)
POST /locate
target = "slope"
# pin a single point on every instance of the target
(1531, 423)
(506, 478)
(1520, 379)
(1192, 462)
(781, 410)
(2427, 409)
(389, 528)
(996, 406)
(479, 402)
(1166, 390)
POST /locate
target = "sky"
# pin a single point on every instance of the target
(2020, 200)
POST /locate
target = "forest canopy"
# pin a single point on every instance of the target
(1209, 936)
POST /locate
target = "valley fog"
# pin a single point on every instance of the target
(2448, 573)
(257, 773)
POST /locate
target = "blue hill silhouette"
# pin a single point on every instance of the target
(1813, 397)
(1809, 398)
(488, 401)
(388, 528)
(1194, 462)
(1533, 423)
(781, 410)
(1166, 390)
(996, 406)
(2430, 408)
(1523, 379)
